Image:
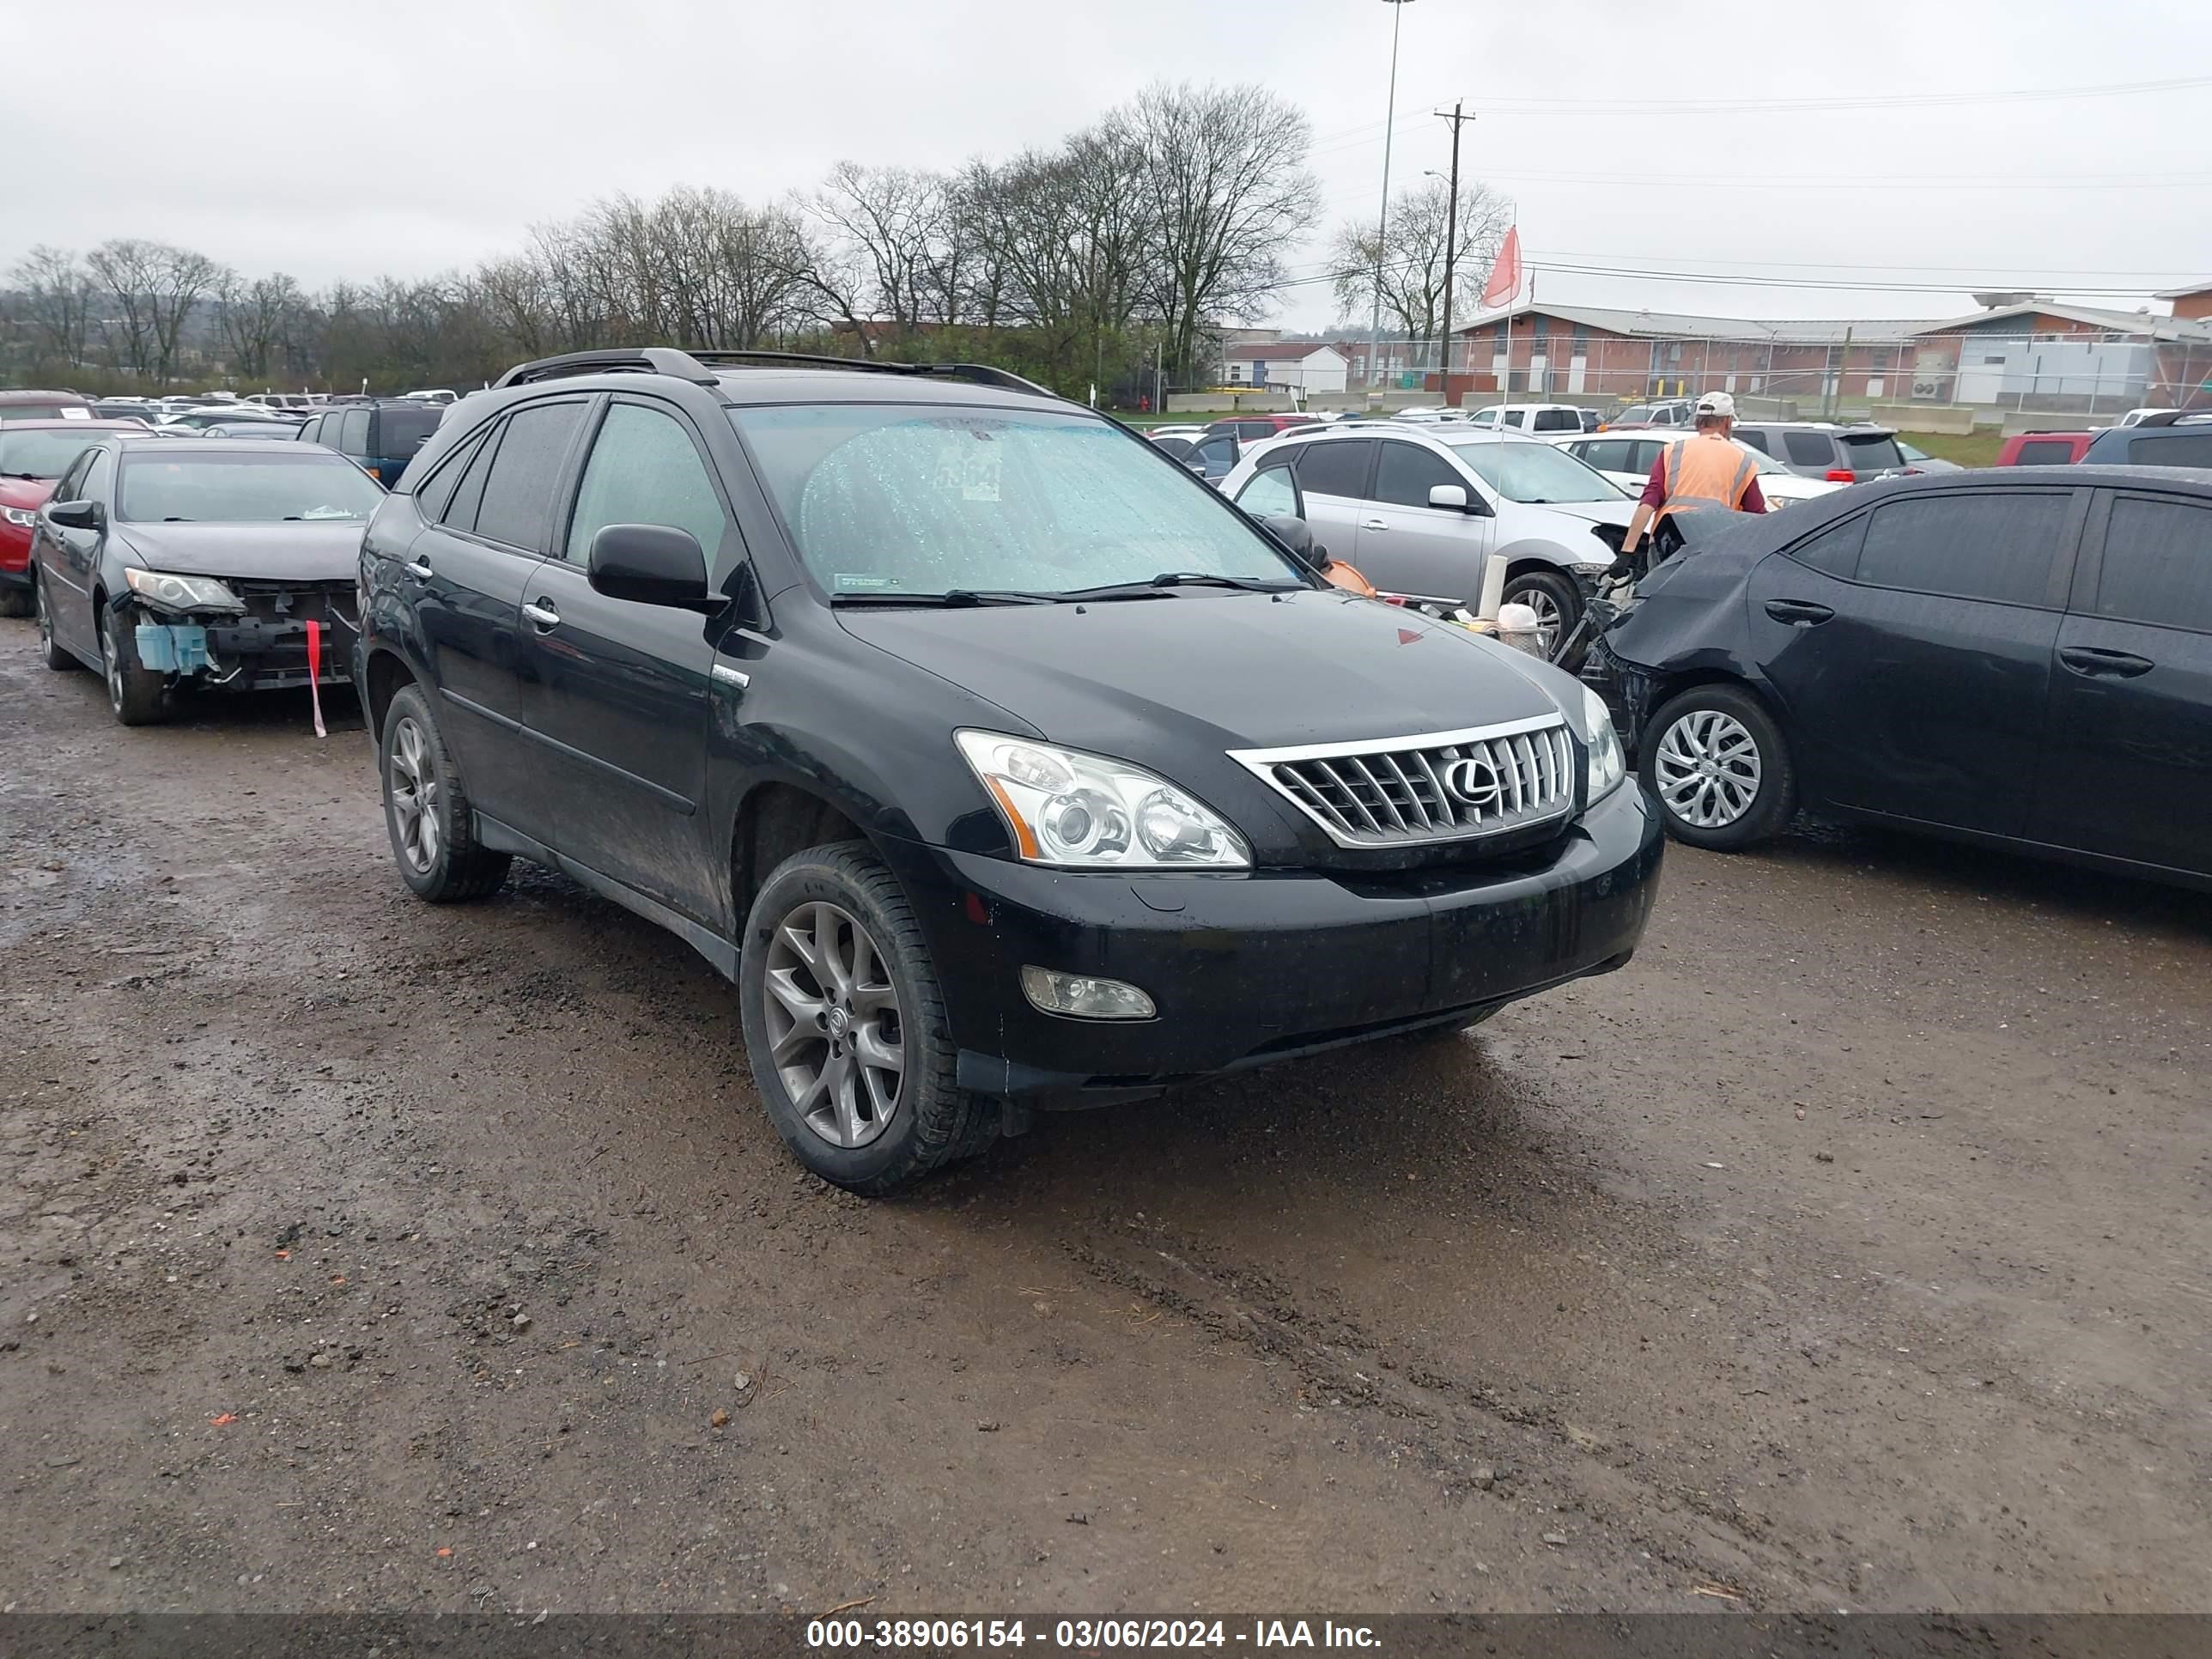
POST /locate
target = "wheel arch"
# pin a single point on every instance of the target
(388, 673)
(773, 820)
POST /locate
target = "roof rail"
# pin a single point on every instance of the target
(633, 359)
(692, 366)
(980, 373)
(2173, 417)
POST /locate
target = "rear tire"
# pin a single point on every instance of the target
(426, 809)
(57, 656)
(135, 695)
(846, 1027)
(1717, 763)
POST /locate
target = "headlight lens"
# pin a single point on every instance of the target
(1607, 766)
(19, 515)
(176, 592)
(1083, 812)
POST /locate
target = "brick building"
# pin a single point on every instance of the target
(2019, 351)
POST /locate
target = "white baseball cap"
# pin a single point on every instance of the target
(1718, 403)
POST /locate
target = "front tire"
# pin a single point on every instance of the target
(136, 695)
(426, 810)
(846, 1027)
(1555, 598)
(1718, 764)
(56, 655)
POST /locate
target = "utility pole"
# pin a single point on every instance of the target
(1383, 223)
(1451, 243)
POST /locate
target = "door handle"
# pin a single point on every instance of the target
(2099, 664)
(542, 614)
(1374, 523)
(419, 568)
(1798, 613)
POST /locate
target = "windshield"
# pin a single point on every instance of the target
(1537, 473)
(243, 490)
(887, 500)
(40, 455)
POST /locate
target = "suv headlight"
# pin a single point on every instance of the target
(1607, 766)
(174, 592)
(1084, 812)
(19, 515)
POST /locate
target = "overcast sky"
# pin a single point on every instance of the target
(409, 138)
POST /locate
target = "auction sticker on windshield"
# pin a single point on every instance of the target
(970, 465)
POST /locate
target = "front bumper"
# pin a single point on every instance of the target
(1247, 969)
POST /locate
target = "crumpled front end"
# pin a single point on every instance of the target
(263, 639)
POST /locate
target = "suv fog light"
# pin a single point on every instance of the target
(1085, 998)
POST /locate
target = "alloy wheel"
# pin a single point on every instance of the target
(44, 616)
(111, 663)
(1707, 769)
(412, 785)
(833, 1031)
(1548, 616)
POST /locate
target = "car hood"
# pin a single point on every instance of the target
(1618, 513)
(25, 492)
(1137, 679)
(328, 552)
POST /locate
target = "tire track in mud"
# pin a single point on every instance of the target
(1458, 1429)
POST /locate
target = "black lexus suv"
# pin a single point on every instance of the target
(1001, 761)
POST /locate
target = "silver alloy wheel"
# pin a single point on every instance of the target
(832, 1016)
(1707, 769)
(412, 785)
(1548, 617)
(111, 664)
(38, 606)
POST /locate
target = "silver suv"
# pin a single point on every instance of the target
(1821, 449)
(1419, 510)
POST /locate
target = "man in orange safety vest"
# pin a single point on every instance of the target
(1711, 470)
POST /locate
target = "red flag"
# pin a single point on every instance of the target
(1504, 276)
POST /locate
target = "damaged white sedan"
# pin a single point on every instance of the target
(167, 565)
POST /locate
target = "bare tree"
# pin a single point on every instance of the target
(1226, 189)
(154, 287)
(253, 320)
(1413, 262)
(58, 299)
(894, 225)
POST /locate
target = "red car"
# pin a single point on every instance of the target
(2043, 448)
(32, 454)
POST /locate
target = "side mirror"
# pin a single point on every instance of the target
(1450, 495)
(648, 564)
(78, 515)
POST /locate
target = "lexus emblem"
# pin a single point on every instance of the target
(1474, 783)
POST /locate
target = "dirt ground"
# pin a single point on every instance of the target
(1851, 1250)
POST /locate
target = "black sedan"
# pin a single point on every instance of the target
(2025, 662)
(223, 562)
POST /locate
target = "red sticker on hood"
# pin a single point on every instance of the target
(1407, 636)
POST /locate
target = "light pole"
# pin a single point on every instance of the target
(1383, 223)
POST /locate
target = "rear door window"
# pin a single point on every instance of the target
(1406, 472)
(460, 509)
(400, 432)
(1994, 545)
(1871, 452)
(2169, 448)
(2158, 563)
(517, 495)
(1337, 469)
(1808, 448)
(2045, 452)
(1608, 454)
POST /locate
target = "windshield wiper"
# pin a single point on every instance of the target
(952, 598)
(1159, 586)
